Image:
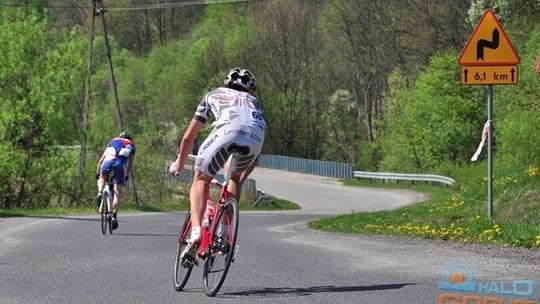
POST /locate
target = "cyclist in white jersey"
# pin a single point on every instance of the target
(239, 122)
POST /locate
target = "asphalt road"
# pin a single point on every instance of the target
(67, 260)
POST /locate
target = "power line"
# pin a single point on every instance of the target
(173, 5)
(132, 8)
(74, 5)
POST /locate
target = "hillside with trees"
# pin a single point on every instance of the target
(372, 83)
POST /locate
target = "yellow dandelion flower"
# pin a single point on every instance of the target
(532, 170)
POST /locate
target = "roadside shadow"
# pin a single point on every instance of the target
(55, 217)
(271, 292)
(92, 218)
(142, 234)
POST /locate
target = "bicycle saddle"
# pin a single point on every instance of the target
(243, 150)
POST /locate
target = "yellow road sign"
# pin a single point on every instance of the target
(489, 74)
(488, 44)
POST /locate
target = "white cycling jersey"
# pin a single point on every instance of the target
(231, 107)
(239, 121)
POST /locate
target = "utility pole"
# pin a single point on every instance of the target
(98, 10)
(119, 122)
(114, 93)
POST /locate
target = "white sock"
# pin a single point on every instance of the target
(195, 234)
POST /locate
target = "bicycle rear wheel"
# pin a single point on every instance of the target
(221, 255)
(109, 213)
(104, 214)
(181, 274)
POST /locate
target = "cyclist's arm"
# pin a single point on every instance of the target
(186, 145)
(100, 161)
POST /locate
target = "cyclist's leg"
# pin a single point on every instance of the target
(105, 167)
(116, 205)
(235, 187)
(100, 183)
(210, 159)
(197, 198)
(119, 180)
(197, 202)
(117, 198)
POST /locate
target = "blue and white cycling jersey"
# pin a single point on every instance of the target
(115, 158)
(119, 149)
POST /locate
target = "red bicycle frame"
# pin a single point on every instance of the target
(205, 231)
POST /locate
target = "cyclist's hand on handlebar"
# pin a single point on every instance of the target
(97, 175)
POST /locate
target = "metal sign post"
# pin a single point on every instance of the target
(490, 151)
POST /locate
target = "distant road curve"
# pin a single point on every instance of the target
(327, 196)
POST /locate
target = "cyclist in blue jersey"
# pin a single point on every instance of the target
(118, 156)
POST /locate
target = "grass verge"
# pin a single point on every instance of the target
(459, 213)
(168, 206)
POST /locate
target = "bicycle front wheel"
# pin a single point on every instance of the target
(222, 249)
(181, 273)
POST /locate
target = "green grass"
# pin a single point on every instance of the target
(457, 213)
(168, 206)
(275, 204)
(56, 211)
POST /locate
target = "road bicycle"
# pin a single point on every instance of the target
(105, 206)
(218, 245)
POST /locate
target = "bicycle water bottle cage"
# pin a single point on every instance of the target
(235, 148)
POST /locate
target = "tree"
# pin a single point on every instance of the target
(139, 30)
(283, 49)
(434, 121)
(37, 104)
(517, 109)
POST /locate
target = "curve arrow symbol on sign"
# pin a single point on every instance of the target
(482, 43)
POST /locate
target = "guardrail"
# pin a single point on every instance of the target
(405, 176)
(308, 166)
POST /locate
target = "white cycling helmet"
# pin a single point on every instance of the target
(240, 79)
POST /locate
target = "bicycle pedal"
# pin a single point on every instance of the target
(189, 262)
